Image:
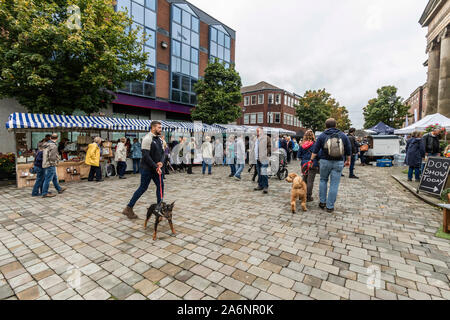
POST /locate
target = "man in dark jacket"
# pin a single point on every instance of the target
(334, 148)
(432, 145)
(355, 149)
(150, 168)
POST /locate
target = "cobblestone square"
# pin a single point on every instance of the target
(231, 242)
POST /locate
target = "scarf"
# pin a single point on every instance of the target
(307, 144)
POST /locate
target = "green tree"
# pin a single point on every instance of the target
(387, 107)
(51, 62)
(316, 106)
(340, 113)
(218, 95)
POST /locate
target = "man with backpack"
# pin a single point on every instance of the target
(334, 148)
(150, 168)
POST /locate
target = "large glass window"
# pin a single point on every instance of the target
(220, 45)
(185, 55)
(143, 13)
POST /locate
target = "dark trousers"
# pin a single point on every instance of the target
(189, 170)
(146, 177)
(263, 179)
(95, 171)
(121, 168)
(309, 179)
(362, 157)
(233, 169)
(352, 165)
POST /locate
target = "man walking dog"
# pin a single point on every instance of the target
(150, 168)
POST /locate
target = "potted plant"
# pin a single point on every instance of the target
(7, 166)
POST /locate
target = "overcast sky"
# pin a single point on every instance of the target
(349, 47)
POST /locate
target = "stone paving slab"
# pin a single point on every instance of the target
(231, 243)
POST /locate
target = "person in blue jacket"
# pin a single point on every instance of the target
(136, 155)
(334, 150)
(415, 152)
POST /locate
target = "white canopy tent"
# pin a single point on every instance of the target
(425, 122)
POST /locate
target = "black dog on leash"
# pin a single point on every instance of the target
(161, 211)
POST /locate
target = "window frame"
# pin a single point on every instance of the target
(253, 100)
(261, 98)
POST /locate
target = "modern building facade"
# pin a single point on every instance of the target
(181, 41)
(436, 17)
(417, 102)
(266, 105)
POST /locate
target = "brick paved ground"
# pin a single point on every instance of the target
(232, 243)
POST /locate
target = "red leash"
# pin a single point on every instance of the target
(160, 184)
(307, 166)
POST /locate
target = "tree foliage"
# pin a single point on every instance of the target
(387, 107)
(316, 106)
(218, 95)
(50, 66)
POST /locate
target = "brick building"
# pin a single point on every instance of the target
(182, 40)
(418, 104)
(266, 105)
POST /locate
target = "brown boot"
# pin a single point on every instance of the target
(62, 190)
(129, 213)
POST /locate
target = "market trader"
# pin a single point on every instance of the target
(150, 168)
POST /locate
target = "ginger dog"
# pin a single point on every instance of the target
(298, 191)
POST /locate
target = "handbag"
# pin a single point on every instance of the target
(364, 148)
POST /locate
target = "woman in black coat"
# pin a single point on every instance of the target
(415, 152)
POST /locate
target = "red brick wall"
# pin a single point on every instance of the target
(265, 108)
(163, 55)
(204, 39)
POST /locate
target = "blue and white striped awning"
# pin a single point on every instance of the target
(129, 125)
(61, 122)
(52, 121)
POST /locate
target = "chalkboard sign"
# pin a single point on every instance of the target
(435, 175)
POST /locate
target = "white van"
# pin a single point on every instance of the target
(385, 147)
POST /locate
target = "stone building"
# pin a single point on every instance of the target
(436, 18)
(266, 105)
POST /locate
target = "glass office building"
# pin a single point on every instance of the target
(182, 39)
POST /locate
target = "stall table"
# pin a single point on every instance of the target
(68, 171)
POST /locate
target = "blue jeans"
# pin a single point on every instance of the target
(50, 176)
(330, 170)
(240, 168)
(233, 169)
(263, 179)
(414, 170)
(40, 176)
(146, 177)
(207, 162)
(136, 164)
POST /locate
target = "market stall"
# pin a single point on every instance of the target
(82, 130)
(423, 124)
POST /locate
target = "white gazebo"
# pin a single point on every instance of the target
(424, 123)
